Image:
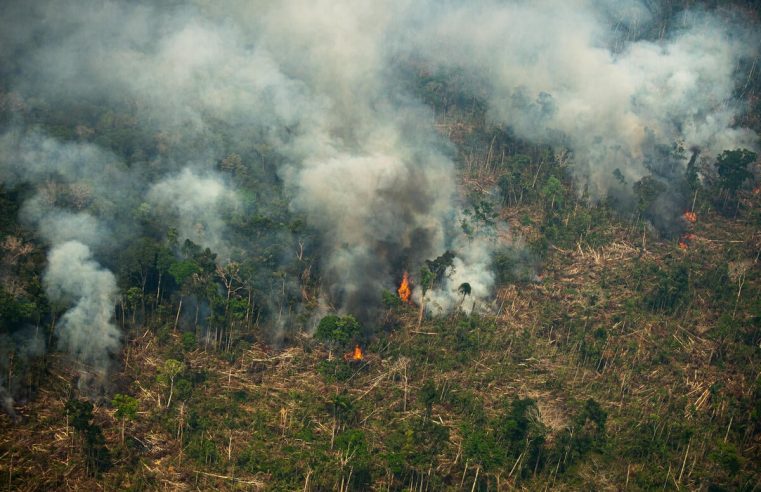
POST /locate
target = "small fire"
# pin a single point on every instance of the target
(690, 217)
(358, 355)
(684, 241)
(404, 288)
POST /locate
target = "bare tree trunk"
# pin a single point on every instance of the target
(248, 310)
(475, 480)
(740, 283)
(420, 313)
(171, 390)
(52, 328)
(177, 318)
(158, 291)
(143, 280)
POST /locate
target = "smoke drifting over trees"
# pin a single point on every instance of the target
(87, 329)
(213, 116)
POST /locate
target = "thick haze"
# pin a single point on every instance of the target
(322, 85)
(575, 74)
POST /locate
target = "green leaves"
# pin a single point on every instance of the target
(519, 422)
(727, 457)
(428, 394)
(337, 329)
(480, 447)
(552, 191)
(426, 279)
(672, 290)
(183, 269)
(593, 412)
(732, 166)
(171, 368)
(134, 296)
(80, 415)
(126, 406)
(14, 310)
(482, 218)
(438, 267)
(647, 190)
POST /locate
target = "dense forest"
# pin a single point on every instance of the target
(338, 245)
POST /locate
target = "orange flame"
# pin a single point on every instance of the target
(358, 355)
(404, 288)
(690, 217)
(684, 241)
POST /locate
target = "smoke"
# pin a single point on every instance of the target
(468, 282)
(18, 352)
(211, 119)
(197, 205)
(6, 402)
(86, 330)
(582, 75)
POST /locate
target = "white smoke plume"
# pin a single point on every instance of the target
(86, 330)
(472, 265)
(197, 205)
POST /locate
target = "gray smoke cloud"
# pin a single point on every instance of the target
(317, 95)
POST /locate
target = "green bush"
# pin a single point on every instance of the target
(334, 370)
(671, 292)
(339, 330)
(97, 456)
(727, 457)
(189, 341)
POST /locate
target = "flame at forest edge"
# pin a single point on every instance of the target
(404, 288)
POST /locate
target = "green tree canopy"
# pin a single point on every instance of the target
(337, 329)
(553, 191)
(183, 269)
(732, 166)
(125, 405)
